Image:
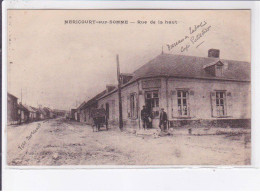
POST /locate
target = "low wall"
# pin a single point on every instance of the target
(224, 123)
(185, 123)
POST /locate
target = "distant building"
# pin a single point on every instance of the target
(60, 113)
(38, 113)
(73, 114)
(32, 113)
(192, 90)
(49, 113)
(43, 113)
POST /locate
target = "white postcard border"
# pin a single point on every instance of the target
(121, 177)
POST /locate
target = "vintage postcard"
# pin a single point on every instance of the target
(128, 87)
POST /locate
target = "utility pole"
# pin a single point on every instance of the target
(21, 96)
(119, 94)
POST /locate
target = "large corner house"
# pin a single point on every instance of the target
(191, 89)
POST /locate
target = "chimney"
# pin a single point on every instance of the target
(110, 87)
(214, 53)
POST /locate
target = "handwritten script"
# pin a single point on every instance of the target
(23, 144)
(194, 37)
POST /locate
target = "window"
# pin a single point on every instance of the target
(133, 106)
(182, 99)
(220, 103)
(219, 70)
(152, 102)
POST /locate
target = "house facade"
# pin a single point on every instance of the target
(18, 113)
(24, 114)
(32, 113)
(12, 109)
(192, 90)
(72, 113)
(85, 109)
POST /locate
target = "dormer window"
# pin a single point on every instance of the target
(216, 69)
(219, 70)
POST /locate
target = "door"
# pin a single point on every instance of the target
(152, 104)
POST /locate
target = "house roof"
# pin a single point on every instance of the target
(47, 109)
(35, 109)
(42, 111)
(191, 67)
(184, 66)
(172, 65)
(81, 105)
(22, 107)
(30, 109)
(93, 100)
(11, 95)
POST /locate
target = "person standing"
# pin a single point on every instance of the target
(144, 117)
(163, 120)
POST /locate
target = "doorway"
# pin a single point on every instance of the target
(152, 105)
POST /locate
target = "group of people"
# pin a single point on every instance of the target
(147, 118)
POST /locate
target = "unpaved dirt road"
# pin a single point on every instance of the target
(61, 142)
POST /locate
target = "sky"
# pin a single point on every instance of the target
(60, 65)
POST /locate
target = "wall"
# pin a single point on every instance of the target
(238, 104)
(112, 100)
(12, 110)
(199, 99)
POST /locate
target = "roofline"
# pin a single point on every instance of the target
(87, 105)
(90, 101)
(204, 57)
(167, 76)
(12, 95)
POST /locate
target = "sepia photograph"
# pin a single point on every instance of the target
(128, 87)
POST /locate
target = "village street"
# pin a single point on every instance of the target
(62, 142)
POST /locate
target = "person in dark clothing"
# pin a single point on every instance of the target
(144, 117)
(163, 120)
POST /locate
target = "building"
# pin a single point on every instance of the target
(72, 114)
(12, 109)
(49, 113)
(192, 90)
(32, 112)
(24, 114)
(60, 113)
(42, 113)
(86, 107)
(38, 113)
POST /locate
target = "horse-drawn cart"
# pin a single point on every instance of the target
(99, 117)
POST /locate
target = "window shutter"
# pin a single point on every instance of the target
(174, 104)
(213, 104)
(229, 104)
(192, 104)
(128, 106)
